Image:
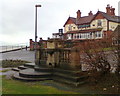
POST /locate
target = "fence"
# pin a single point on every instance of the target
(10, 48)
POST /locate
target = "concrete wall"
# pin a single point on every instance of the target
(50, 45)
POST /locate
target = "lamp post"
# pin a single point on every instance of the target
(36, 32)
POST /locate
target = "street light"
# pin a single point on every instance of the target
(36, 32)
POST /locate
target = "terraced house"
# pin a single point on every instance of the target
(93, 26)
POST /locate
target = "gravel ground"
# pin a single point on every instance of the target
(8, 73)
(14, 55)
(20, 54)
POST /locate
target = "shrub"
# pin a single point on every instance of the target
(12, 63)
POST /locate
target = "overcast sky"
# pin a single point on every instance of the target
(18, 16)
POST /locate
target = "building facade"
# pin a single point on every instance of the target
(93, 26)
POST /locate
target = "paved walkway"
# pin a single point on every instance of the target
(20, 54)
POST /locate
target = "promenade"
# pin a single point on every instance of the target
(20, 54)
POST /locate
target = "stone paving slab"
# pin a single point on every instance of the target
(20, 54)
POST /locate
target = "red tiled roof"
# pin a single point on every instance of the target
(81, 20)
(71, 18)
(84, 20)
(110, 18)
(84, 31)
(88, 19)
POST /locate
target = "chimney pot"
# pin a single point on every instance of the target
(90, 13)
(40, 38)
(48, 38)
(108, 5)
(78, 14)
(30, 39)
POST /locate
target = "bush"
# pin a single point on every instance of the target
(12, 63)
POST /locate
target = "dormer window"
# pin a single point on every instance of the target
(99, 23)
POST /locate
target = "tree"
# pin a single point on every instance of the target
(98, 55)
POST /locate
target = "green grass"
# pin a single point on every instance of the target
(109, 49)
(17, 87)
(109, 81)
(103, 49)
(4, 70)
(10, 86)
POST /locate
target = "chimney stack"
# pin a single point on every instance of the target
(90, 13)
(78, 14)
(112, 11)
(108, 10)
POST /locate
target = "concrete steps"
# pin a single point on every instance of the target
(16, 69)
(18, 77)
(25, 66)
(31, 73)
(29, 65)
(27, 72)
(68, 82)
(70, 72)
(22, 67)
(74, 78)
(43, 69)
(69, 77)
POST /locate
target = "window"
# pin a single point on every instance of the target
(69, 36)
(99, 23)
(85, 35)
(81, 35)
(74, 36)
(83, 26)
(73, 27)
(88, 35)
(98, 34)
(78, 36)
(69, 27)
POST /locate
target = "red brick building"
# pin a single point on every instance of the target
(42, 43)
(93, 26)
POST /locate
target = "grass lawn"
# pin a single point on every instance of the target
(11, 86)
(4, 70)
(108, 84)
(105, 86)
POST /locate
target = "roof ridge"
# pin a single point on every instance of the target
(72, 17)
(87, 16)
(109, 15)
(83, 16)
